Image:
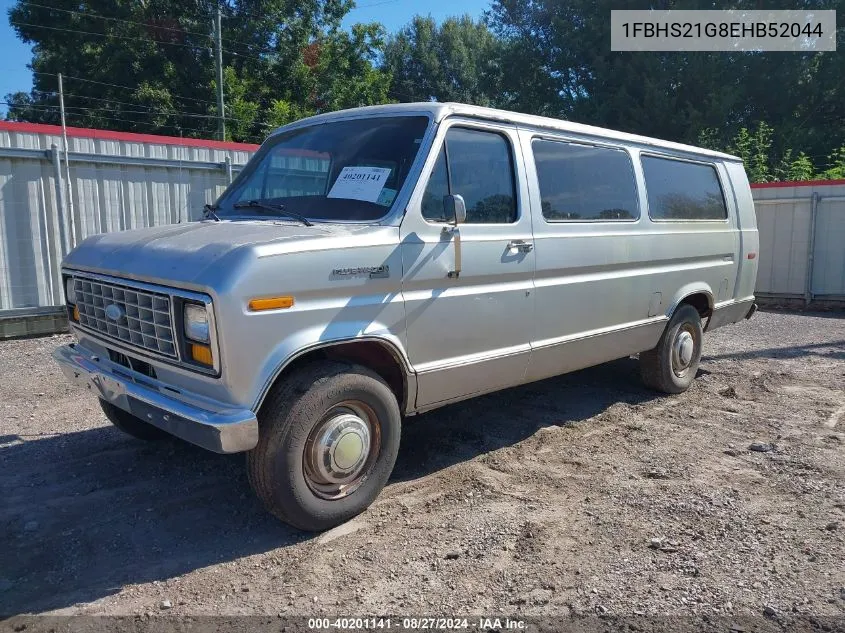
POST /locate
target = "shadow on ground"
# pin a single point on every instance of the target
(834, 350)
(85, 513)
(462, 431)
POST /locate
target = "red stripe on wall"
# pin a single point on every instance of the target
(796, 183)
(131, 137)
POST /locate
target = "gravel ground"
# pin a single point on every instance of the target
(582, 494)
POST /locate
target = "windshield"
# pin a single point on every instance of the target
(345, 170)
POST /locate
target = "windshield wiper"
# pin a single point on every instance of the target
(210, 212)
(279, 209)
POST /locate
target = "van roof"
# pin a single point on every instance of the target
(439, 111)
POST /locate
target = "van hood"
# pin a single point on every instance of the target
(199, 255)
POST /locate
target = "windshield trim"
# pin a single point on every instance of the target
(350, 115)
(394, 213)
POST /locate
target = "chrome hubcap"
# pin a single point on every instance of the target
(340, 450)
(683, 349)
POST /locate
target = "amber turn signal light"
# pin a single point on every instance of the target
(76, 313)
(202, 354)
(270, 303)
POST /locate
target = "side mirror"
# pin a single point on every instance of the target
(455, 208)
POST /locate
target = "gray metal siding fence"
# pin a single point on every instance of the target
(120, 184)
(829, 269)
(116, 184)
(802, 241)
(784, 228)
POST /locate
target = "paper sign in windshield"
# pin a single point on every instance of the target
(360, 183)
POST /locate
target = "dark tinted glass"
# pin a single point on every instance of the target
(582, 182)
(299, 169)
(678, 190)
(481, 170)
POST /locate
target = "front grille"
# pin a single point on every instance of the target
(140, 318)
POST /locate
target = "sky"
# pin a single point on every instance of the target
(15, 55)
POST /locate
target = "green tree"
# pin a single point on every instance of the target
(794, 168)
(564, 49)
(836, 165)
(149, 66)
(754, 148)
(557, 61)
(710, 138)
(459, 60)
(347, 76)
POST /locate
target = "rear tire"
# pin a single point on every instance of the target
(672, 365)
(130, 424)
(328, 440)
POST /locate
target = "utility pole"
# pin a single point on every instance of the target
(218, 41)
(71, 223)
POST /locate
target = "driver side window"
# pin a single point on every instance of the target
(477, 165)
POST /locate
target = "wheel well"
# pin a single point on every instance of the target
(701, 302)
(371, 354)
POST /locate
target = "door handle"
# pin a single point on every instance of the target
(521, 245)
(456, 238)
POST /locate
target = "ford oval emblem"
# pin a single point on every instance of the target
(114, 312)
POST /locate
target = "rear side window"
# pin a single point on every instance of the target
(478, 166)
(584, 183)
(679, 190)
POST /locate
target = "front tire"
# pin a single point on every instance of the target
(328, 440)
(672, 365)
(130, 424)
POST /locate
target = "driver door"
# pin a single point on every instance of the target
(469, 331)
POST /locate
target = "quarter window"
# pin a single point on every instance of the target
(584, 183)
(680, 190)
(436, 190)
(478, 166)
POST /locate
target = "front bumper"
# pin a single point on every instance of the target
(211, 425)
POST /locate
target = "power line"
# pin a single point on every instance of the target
(118, 37)
(133, 89)
(124, 87)
(243, 15)
(147, 25)
(98, 16)
(84, 110)
(149, 109)
(391, 93)
(128, 38)
(107, 118)
(151, 112)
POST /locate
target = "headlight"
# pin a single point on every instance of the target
(196, 323)
(70, 293)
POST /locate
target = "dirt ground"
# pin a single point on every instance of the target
(583, 494)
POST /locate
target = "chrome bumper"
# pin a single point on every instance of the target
(211, 425)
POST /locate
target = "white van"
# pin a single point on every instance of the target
(374, 263)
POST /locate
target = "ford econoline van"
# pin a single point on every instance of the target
(376, 263)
